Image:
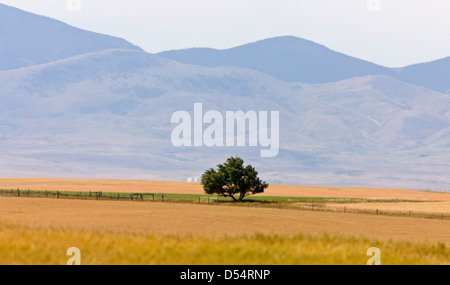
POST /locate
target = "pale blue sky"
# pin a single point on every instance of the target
(402, 32)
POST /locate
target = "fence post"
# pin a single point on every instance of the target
(18, 192)
(163, 198)
(376, 212)
(57, 194)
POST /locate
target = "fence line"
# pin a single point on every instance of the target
(317, 207)
(91, 195)
(208, 198)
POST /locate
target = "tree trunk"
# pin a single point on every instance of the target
(232, 196)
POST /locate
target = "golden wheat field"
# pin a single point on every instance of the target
(211, 220)
(44, 246)
(40, 230)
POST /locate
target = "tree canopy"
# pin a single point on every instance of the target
(233, 178)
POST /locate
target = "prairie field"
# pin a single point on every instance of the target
(146, 186)
(437, 207)
(40, 230)
(430, 201)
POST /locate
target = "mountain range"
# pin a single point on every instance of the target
(83, 105)
(27, 39)
(294, 59)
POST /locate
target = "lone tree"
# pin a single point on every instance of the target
(233, 178)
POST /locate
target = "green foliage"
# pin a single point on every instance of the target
(233, 178)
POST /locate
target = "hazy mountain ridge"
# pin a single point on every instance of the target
(27, 39)
(293, 59)
(287, 58)
(434, 74)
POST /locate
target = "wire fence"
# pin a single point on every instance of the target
(91, 195)
(156, 197)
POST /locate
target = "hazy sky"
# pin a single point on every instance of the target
(393, 33)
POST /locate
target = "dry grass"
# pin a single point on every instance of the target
(105, 185)
(436, 208)
(36, 246)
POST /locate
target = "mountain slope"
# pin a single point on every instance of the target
(287, 58)
(108, 114)
(27, 39)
